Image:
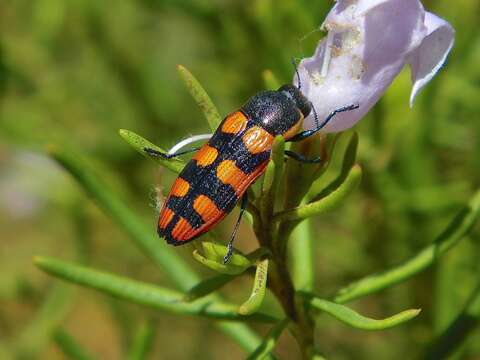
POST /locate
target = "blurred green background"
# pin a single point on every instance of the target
(73, 73)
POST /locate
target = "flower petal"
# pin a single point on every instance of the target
(368, 44)
(429, 57)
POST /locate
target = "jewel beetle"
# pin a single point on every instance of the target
(218, 175)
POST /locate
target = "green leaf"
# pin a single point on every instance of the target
(142, 293)
(270, 80)
(48, 317)
(234, 267)
(201, 97)
(348, 162)
(258, 291)
(354, 319)
(299, 176)
(70, 347)
(272, 178)
(139, 144)
(239, 332)
(142, 342)
(268, 344)
(325, 204)
(143, 236)
(207, 286)
(463, 326)
(455, 231)
(350, 154)
(213, 254)
(216, 252)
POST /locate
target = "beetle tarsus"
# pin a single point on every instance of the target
(305, 134)
(243, 206)
(229, 253)
(301, 158)
(167, 156)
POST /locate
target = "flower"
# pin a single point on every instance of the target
(368, 44)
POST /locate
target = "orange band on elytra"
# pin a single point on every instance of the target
(234, 123)
(206, 208)
(180, 187)
(206, 155)
(257, 140)
(165, 217)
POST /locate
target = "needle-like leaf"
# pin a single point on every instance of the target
(140, 144)
(70, 347)
(207, 286)
(354, 319)
(142, 342)
(143, 293)
(272, 178)
(201, 97)
(258, 291)
(231, 268)
(268, 344)
(455, 231)
(143, 236)
(325, 204)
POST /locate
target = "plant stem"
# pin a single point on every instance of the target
(274, 235)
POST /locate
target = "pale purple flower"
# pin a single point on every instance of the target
(367, 45)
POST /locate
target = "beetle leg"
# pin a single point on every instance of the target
(181, 144)
(304, 134)
(243, 206)
(301, 158)
(156, 153)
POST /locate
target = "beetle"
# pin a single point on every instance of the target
(218, 175)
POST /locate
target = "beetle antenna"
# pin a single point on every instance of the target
(294, 63)
(315, 115)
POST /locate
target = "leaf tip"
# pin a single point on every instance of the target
(357, 167)
(51, 149)
(415, 312)
(243, 310)
(38, 261)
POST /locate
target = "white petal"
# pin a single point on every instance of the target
(368, 50)
(429, 57)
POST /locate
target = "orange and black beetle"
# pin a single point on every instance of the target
(218, 175)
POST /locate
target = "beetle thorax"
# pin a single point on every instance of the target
(277, 111)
